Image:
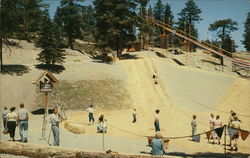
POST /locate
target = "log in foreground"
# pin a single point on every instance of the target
(42, 151)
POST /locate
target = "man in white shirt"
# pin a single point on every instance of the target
(54, 120)
(23, 123)
(90, 110)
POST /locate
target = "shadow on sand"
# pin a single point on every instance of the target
(18, 70)
(41, 111)
(52, 68)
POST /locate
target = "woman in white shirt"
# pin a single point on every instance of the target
(12, 118)
(217, 124)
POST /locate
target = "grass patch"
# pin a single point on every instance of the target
(103, 94)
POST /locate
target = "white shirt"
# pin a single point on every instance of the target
(157, 117)
(211, 122)
(90, 110)
(134, 113)
(54, 119)
(12, 116)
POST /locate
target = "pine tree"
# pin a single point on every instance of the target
(68, 17)
(30, 15)
(159, 10)
(188, 17)
(246, 35)
(115, 21)
(223, 28)
(168, 15)
(50, 41)
(88, 22)
(9, 24)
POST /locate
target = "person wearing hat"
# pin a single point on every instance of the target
(157, 145)
(12, 118)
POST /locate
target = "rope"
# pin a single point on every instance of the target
(176, 137)
(127, 131)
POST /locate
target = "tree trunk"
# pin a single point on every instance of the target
(70, 42)
(1, 53)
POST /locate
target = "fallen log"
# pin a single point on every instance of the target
(42, 151)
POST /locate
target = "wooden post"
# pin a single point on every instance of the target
(225, 141)
(46, 113)
(103, 145)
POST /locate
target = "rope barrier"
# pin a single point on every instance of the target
(176, 137)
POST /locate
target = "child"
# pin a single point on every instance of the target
(134, 115)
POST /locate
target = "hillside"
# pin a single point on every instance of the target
(115, 89)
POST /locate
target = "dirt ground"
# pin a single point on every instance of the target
(199, 88)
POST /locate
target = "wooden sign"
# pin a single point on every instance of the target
(46, 87)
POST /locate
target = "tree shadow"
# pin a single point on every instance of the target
(208, 154)
(178, 62)
(18, 70)
(128, 56)
(52, 68)
(246, 75)
(41, 111)
(160, 55)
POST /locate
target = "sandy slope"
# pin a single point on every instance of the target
(181, 92)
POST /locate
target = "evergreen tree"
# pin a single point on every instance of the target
(50, 41)
(168, 15)
(10, 24)
(246, 35)
(144, 26)
(159, 10)
(115, 21)
(30, 17)
(68, 17)
(223, 28)
(88, 22)
(188, 17)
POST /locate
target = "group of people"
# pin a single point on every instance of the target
(214, 123)
(11, 120)
(102, 123)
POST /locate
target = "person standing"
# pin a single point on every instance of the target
(90, 110)
(157, 121)
(4, 117)
(54, 120)
(236, 125)
(194, 126)
(211, 125)
(157, 145)
(12, 122)
(230, 120)
(23, 123)
(217, 124)
(134, 115)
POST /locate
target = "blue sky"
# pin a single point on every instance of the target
(211, 10)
